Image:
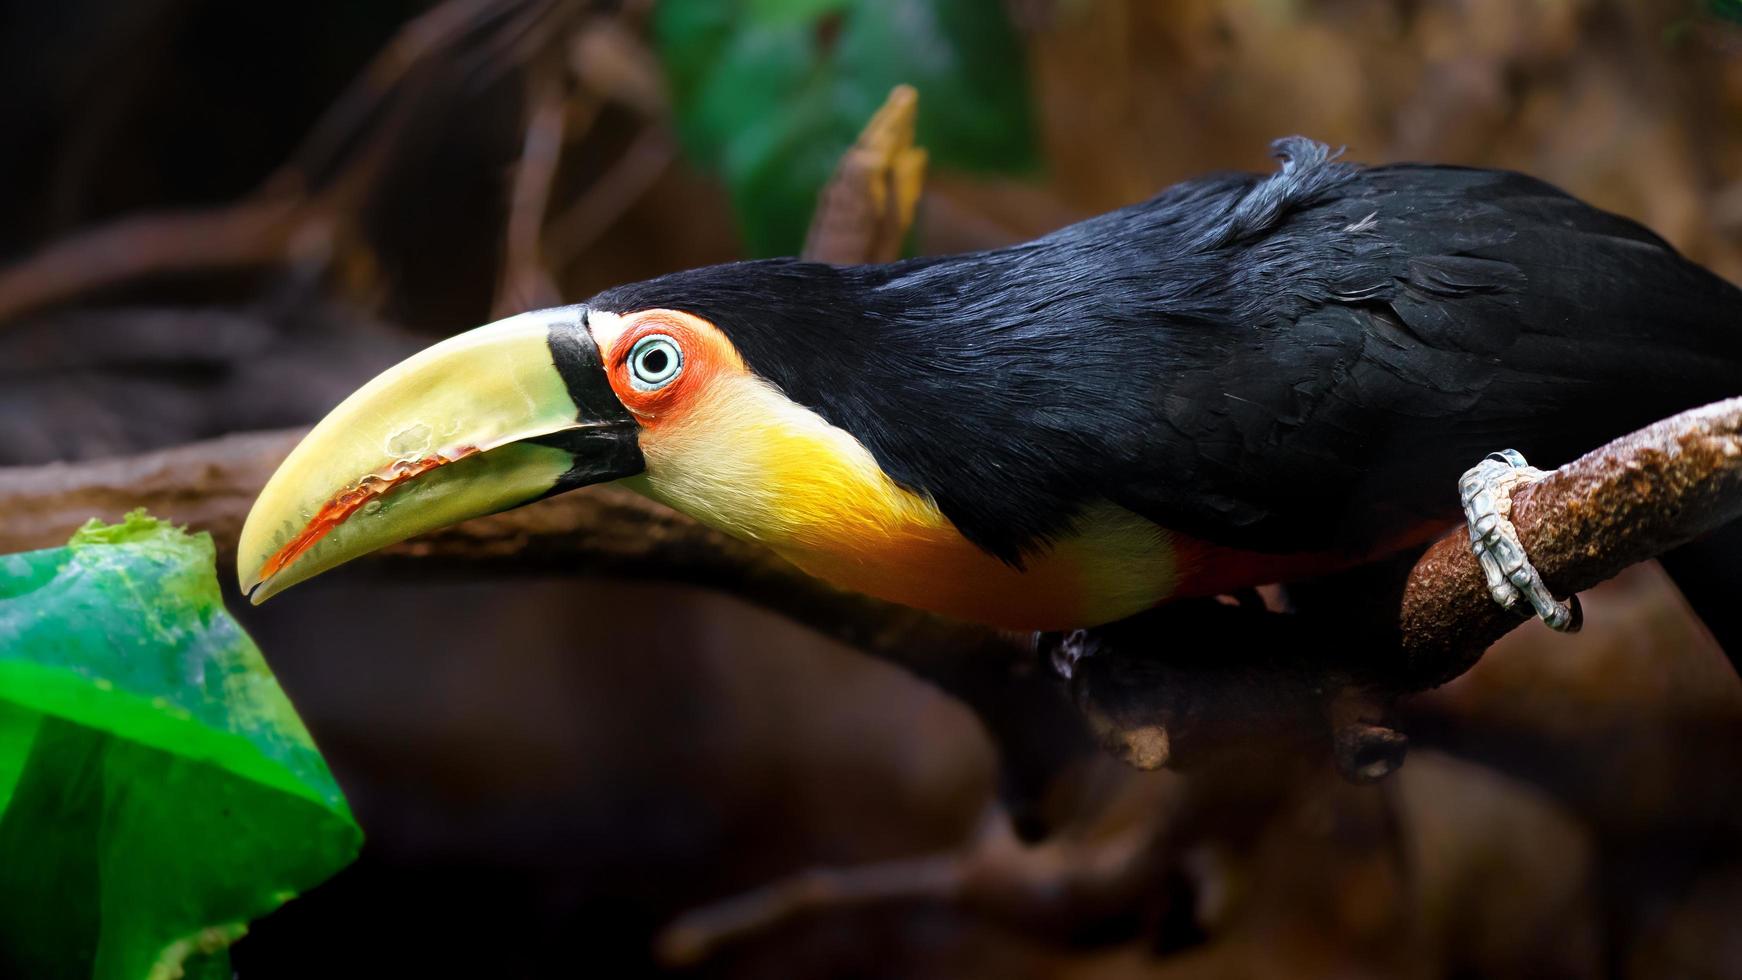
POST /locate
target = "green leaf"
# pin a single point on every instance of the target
(769, 93)
(157, 789)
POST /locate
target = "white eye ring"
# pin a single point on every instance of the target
(654, 362)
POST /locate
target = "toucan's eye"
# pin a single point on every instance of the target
(654, 362)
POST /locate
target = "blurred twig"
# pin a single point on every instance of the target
(251, 233)
(1139, 861)
(1053, 888)
(610, 196)
(310, 201)
(525, 282)
(438, 33)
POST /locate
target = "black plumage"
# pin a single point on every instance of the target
(1303, 361)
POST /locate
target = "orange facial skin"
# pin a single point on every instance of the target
(707, 356)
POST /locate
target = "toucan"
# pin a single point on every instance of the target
(1247, 379)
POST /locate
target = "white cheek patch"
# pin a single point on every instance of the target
(607, 328)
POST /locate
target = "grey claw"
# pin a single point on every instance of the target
(1486, 493)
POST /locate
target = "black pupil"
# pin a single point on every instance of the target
(654, 361)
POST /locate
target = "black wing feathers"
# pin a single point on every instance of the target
(1303, 361)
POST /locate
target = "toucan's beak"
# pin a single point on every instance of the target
(481, 422)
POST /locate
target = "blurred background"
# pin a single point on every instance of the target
(219, 217)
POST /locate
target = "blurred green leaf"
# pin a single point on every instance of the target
(769, 93)
(792, 11)
(157, 790)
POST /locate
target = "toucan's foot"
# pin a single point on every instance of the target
(1486, 491)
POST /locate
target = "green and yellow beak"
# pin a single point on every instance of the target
(484, 421)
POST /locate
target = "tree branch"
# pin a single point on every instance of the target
(1631, 500)
(1187, 682)
(1054, 889)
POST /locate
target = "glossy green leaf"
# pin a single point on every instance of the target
(157, 790)
(770, 92)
